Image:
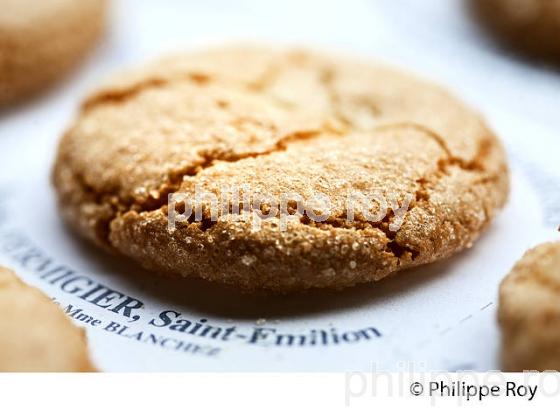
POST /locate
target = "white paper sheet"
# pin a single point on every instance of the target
(436, 317)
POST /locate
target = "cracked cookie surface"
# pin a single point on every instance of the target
(529, 312)
(279, 122)
(35, 334)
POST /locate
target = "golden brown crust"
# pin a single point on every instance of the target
(530, 26)
(529, 311)
(35, 335)
(282, 122)
(42, 40)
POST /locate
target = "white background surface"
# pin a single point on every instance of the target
(431, 318)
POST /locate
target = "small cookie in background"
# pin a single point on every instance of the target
(35, 335)
(529, 26)
(529, 311)
(41, 40)
(278, 123)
